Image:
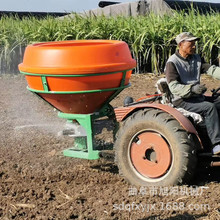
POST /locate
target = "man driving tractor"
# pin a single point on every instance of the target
(183, 70)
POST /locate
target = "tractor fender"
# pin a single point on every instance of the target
(123, 112)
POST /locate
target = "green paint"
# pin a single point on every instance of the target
(84, 147)
(44, 82)
(74, 75)
(76, 92)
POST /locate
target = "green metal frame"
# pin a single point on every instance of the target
(47, 90)
(84, 147)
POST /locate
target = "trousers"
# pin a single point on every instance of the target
(209, 109)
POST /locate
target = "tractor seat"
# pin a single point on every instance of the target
(162, 88)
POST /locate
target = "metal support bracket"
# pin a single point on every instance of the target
(84, 146)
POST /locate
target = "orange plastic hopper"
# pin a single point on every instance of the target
(77, 77)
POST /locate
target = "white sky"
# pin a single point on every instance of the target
(51, 5)
(58, 5)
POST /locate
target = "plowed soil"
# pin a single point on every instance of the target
(38, 182)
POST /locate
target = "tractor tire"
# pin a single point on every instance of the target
(152, 148)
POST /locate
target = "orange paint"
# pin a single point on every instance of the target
(83, 58)
(77, 57)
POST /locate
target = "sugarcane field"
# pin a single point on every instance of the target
(89, 128)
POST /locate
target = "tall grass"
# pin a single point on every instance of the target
(150, 38)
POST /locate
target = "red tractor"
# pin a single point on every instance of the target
(156, 144)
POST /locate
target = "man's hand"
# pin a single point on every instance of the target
(198, 89)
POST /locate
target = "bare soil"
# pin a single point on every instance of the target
(38, 182)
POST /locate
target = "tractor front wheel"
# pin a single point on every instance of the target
(152, 148)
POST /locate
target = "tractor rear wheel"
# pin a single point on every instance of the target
(152, 148)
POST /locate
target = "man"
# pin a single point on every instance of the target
(183, 70)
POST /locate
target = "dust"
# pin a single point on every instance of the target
(27, 111)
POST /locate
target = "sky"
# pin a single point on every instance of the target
(51, 5)
(57, 5)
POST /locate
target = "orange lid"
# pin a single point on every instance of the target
(77, 57)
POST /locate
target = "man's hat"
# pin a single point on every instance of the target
(187, 36)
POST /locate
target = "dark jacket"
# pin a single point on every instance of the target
(182, 74)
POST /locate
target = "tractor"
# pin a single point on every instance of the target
(158, 144)
(155, 144)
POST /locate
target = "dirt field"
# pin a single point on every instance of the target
(38, 182)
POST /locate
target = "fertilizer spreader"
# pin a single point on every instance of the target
(155, 145)
(79, 78)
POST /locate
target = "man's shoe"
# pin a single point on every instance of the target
(216, 149)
